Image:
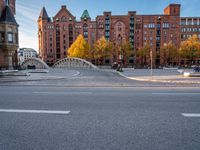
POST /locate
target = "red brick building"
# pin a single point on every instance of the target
(158, 30)
(55, 36)
(189, 27)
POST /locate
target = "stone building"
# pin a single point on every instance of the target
(56, 35)
(8, 35)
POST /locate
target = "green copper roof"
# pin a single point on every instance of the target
(85, 15)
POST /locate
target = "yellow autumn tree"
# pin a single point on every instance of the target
(127, 50)
(102, 49)
(169, 54)
(80, 48)
(190, 49)
(144, 54)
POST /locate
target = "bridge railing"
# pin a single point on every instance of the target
(70, 62)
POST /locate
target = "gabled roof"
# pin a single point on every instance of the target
(7, 16)
(43, 14)
(63, 8)
(85, 15)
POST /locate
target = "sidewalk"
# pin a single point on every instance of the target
(159, 75)
(23, 76)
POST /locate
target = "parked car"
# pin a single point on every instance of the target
(114, 65)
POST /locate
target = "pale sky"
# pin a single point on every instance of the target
(29, 10)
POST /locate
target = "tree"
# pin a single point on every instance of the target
(169, 53)
(80, 48)
(144, 54)
(190, 49)
(102, 49)
(126, 50)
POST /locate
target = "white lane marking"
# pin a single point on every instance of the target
(175, 93)
(34, 111)
(65, 93)
(190, 115)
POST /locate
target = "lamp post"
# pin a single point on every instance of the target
(151, 55)
(120, 61)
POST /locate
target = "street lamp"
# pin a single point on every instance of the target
(120, 62)
(151, 55)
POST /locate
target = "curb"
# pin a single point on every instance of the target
(161, 81)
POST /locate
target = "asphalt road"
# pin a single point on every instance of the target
(105, 114)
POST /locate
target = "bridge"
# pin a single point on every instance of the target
(71, 62)
(34, 63)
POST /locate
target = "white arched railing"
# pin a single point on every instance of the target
(36, 62)
(71, 62)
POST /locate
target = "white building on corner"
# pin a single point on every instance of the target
(25, 53)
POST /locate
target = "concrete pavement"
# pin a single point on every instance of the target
(39, 75)
(101, 118)
(159, 75)
(96, 78)
(97, 110)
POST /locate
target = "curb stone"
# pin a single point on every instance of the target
(156, 80)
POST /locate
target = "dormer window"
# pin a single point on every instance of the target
(57, 19)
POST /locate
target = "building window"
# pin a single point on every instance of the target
(165, 25)
(151, 25)
(107, 21)
(64, 28)
(85, 31)
(183, 22)
(2, 38)
(16, 38)
(10, 38)
(85, 34)
(107, 27)
(71, 34)
(85, 27)
(63, 19)
(107, 34)
(57, 27)
(195, 22)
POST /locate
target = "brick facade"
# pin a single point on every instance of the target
(55, 36)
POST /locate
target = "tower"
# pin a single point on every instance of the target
(42, 21)
(173, 10)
